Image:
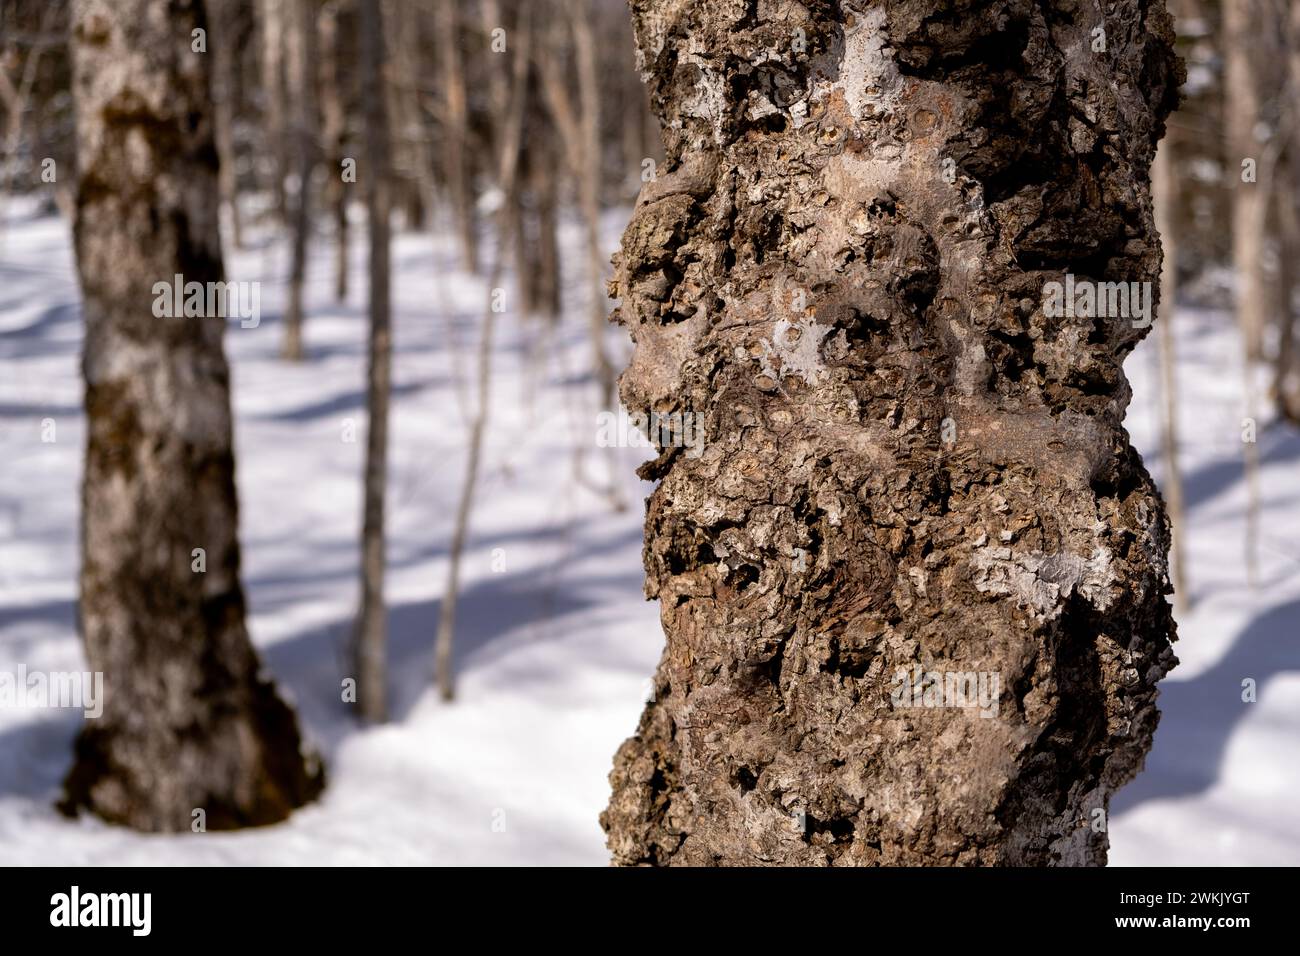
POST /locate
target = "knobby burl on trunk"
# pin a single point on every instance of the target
(842, 268)
(190, 720)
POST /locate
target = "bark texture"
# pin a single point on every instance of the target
(841, 266)
(190, 721)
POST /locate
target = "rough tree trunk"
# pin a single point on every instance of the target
(188, 724)
(906, 464)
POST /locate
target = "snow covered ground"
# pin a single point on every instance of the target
(556, 643)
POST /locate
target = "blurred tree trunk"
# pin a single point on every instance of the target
(537, 251)
(579, 131)
(632, 132)
(590, 181)
(509, 140)
(225, 67)
(304, 64)
(371, 643)
(15, 98)
(334, 128)
(545, 188)
(402, 20)
(189, 723)
(272, 17)
(1286, 372)
(455, 131)
(908, 468)
(1250, 200)
(523, 234)
(1164, 189)
(1286, 380)
(543, 184)
(498, 81)
(513, 221)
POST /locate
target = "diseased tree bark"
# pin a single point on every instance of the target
(189, 723)
(906, 463)
(370, 650)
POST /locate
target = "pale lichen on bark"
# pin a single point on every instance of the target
(846, 249)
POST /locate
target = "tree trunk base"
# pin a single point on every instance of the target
(244, 767)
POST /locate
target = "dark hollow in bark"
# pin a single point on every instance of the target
(189, 722)
(841, 267)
